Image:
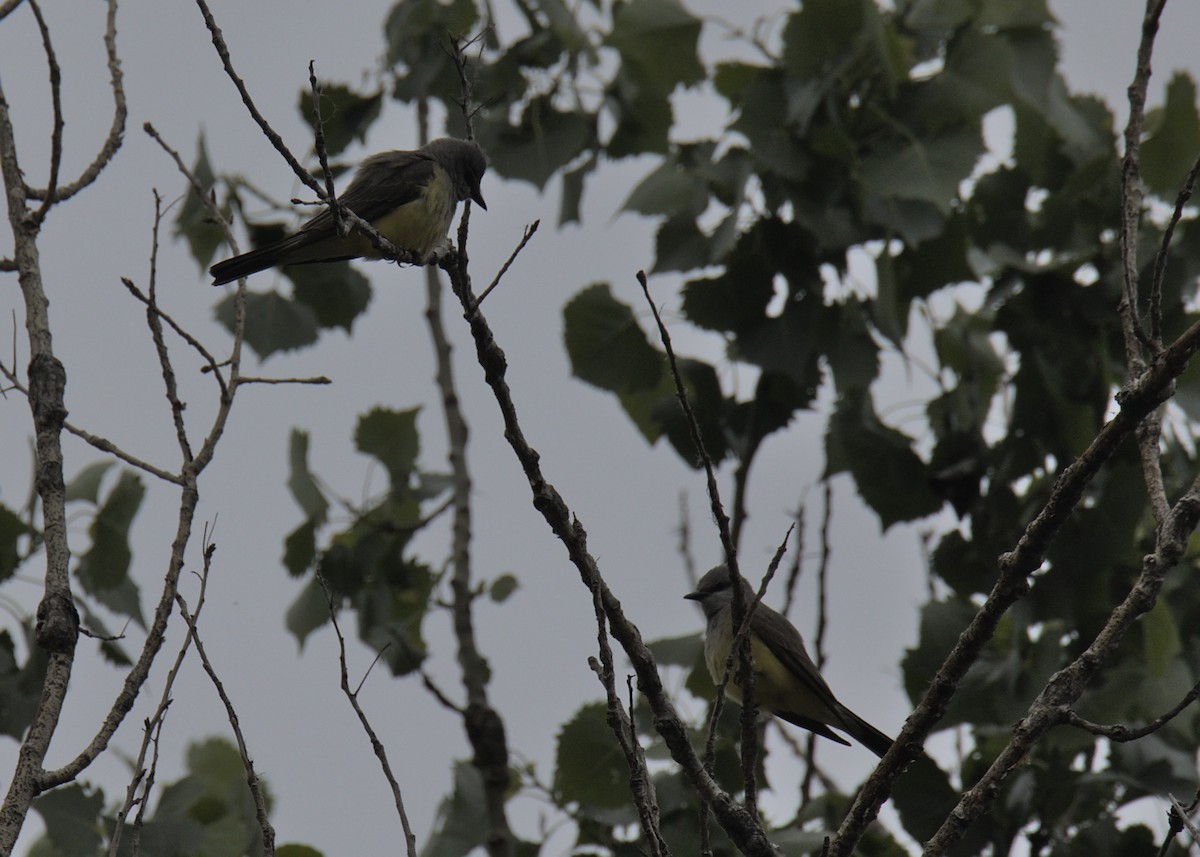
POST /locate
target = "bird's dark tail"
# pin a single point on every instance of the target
(864, 733)
(248, 263)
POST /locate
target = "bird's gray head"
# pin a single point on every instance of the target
(714, 591)
(466, 164)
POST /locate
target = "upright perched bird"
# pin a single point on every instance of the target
(408, 196)
(786, 681)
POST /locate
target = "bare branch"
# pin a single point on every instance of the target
(8, 7)
(116, 132)
(410, 839)
(56, 107)
(1131, 191)
(218, 40)
(317, 380)
(482, 723)
(154, 322)
(260, 803)
(150, 734)
(1122, 733)
(57, 629)
(641, 787)
(529, 230)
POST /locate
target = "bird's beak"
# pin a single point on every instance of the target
(694, 596)
(477, 198)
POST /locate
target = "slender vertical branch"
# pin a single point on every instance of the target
(1131, 190)
(57, 629)
(484, 725)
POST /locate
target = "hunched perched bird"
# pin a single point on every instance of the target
(786, 681)
(408, 196)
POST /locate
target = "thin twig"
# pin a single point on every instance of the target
(260, 803)
(1131, 190)
(116, 131)
(822, 621)
(154, 322)
(56, 134)
(410, 839)
(529, 230)
(255, 379)
(151, 730)
(335, 207)
(1121, 733)
(641, 787)
(196, 345)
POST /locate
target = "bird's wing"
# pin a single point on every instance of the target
(786, 644)
(374, 192)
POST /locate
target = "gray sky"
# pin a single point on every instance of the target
(626, 494)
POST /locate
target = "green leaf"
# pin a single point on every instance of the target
(336, 292)
(462, 821)
(1015, 15)
(642, 111)
(20, 684)
(927, 170)
(731, 78)
(86, 484)
(889, 475)
(1174, 140)
(300, 548)
(503, 587)
(659, 39)
(415, 33)
(818, 35)
(346, 116)
(273, 322)
(104, 570)
(924, 798)
(589, 766)
(72, 814)
(194, 222)
(292, 849)
(941, 624)
(1162, 644)
(391, 438)
(12, 528)
(301, 482)
(671, 189)
(544, 140)
(308, 612)
(849, 347)
(679, 245)
(393, 603)
(677, 651)
(666, 414)
(776, 149)
(572, 192)
(606, 346)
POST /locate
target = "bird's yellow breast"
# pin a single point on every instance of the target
(421, 224)
(776, 688)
